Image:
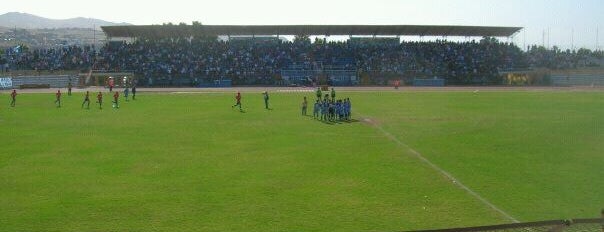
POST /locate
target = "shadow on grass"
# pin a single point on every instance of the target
(241, 110)
(336, 122)
(328, 122)
(351, 121)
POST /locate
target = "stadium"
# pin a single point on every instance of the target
(194, 127)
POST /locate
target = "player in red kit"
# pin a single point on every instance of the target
(13, 97)
(99, 99)
(58, 101)
(86, 100)
(116, 97)
(238, 98)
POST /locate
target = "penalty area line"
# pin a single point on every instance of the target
(442, 171)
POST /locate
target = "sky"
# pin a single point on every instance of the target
(564, 23)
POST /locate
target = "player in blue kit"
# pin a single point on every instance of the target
(316, 109)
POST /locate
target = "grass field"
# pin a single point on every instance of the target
(188, 162)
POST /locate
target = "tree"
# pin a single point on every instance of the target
(320, 41)
(584, 52)
(302, 39)
(489, 40)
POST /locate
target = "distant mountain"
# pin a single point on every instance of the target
(29, 21)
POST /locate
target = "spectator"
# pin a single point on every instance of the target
(247, 62)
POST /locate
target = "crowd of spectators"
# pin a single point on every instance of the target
(60, 58)
(451, 60)
(555, 58)
(244, 62)
(250, 61)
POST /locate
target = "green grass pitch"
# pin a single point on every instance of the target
(188, 162)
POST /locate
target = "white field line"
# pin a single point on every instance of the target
(445, 173)
(295, 90)
(182, 92)
(221, 92)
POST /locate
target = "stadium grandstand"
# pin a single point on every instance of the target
(163, 31)
(203, 55)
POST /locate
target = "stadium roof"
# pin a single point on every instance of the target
(371, 30)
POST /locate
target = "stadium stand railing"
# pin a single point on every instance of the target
(17, 73)
(428, 82)
(578, 80)
(52, 81)
(298, 76)
(335, 75)
(220, 83)
(342, 77)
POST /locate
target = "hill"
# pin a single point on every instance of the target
(29, 21)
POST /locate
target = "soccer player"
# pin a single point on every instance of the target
(58, 94)
(238, 99)
(304, 106)
(134, 92)
(69, 86)
(126, 91)
(320, 110)
(86, 100)
(348, 108)
(99, 99)
(316, 109)
(397, 83)
(13, 97)
(339, 110)
(324, 110)
(333, 94)
(116, 97)
(327, 110)
(265, 94)
(332, 110)
(319, 94)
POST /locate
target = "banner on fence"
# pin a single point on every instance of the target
(6, 82)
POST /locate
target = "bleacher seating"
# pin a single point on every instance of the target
(59, 81)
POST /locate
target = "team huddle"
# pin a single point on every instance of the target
(332, 110)
(329, 109)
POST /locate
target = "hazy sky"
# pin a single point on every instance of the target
(584, 17)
